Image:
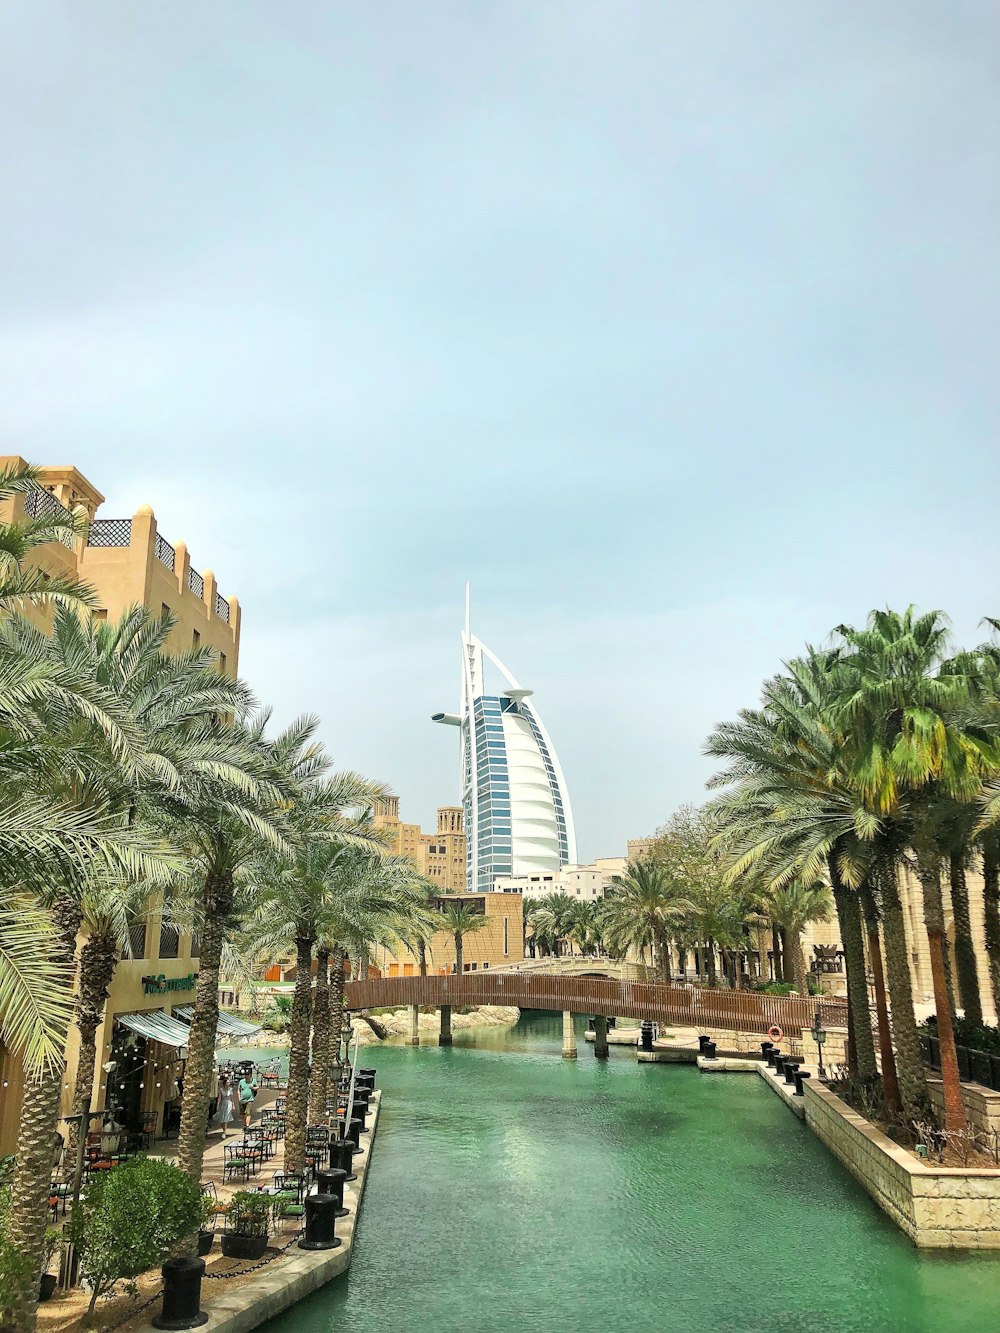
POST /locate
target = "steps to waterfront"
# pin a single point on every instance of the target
(297, 1273)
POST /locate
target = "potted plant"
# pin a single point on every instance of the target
(248, 1225)
(206, 1232)
(53, 1244)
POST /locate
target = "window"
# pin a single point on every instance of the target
(196, 945)
(136, 940)
(505, 935)
(164, 609)
(100, 613)
(195, 639)
(222, 663)
(169, 941)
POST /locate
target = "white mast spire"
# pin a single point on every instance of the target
(468, 608)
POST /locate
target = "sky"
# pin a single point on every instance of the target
(672, 327)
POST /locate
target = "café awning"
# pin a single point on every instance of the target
(229, 1024)
(155, 1025)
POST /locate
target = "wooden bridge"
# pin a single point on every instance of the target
(688, 1006)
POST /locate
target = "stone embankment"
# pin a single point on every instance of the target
(397, 1023)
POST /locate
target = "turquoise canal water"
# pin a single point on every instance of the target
(512, 1191)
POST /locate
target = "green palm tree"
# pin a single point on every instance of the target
(913, 741)
(461, 919)
(641, 911)
(793, 906)
(333, 892)
(23, 580)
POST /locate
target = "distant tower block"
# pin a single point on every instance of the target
(517, 814)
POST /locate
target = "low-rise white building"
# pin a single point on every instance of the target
(586, 882)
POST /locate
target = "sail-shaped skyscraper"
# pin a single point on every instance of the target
(518, 819)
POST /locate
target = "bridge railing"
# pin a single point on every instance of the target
(744, 1011)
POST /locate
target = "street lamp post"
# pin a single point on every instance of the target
(819, 1034)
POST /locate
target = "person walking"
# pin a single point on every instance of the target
(248, 1092)
(225, 1115)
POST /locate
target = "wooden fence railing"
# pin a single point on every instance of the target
(743, 1011)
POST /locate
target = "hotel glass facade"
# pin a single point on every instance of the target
(517, 812)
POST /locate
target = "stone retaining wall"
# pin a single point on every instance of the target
(938, 1207)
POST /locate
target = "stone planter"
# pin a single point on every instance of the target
(939, 1207)
(206, 1239)
(235, 1246)
(47, 1288)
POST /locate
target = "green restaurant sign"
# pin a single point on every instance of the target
(158, 985)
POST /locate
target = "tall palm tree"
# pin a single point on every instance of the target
(794, 905)
(912, 743)
(641, 910)
(338, 888)
(461, 919)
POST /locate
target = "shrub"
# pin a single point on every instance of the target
(976, 1036)
(130, 1221)
(249, 1213)
(15, 1277)
(774, 988)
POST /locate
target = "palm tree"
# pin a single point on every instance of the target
(789, 809)
(338, 889)
(913, 743)
(793, 906)
(640, 911)
(461, 919)
(24, 581)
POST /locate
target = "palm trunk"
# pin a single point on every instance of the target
(36, 1135)
(929, 870)
(335, 1000)
(298, 1057)
(776, 961)
(798, 964)
(890, 1081)
(98, 960)
(422, 956)
(218, 904)
(965, 954)
(458, 953)
(909, 1058)
(991, 895)
(318, 1081)
(663, 961)
(849, 916)
(713, 978)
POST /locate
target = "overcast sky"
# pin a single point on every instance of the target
(672, 326)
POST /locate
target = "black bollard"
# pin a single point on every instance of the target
(332, 1182)
(341, 1153)
(368, 1071)
(771, 1056)
(779, 1064)
(708, 1050)
(321, 1223)
(790, 1068)
(181, 1294)
(765, 1046)
(354, 1130)
(646, 1036)
(799, 1076)
(702, 1040)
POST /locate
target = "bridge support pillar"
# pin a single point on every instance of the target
(414, 1038)
(569, 1036)
(444, 1037)
(600, 1037)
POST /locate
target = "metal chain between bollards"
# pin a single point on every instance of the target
(132, 1313)
(242, 1272)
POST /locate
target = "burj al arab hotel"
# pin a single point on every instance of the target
(518, 819)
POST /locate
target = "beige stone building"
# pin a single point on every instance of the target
(439, 856)
(588, 882)
(499, 942)
(141, 1043)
